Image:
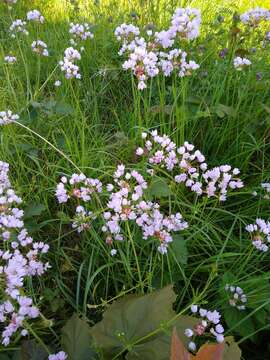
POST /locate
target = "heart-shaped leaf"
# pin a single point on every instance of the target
(159, 347)
(131, 318)
(159, 188)
(76, 339)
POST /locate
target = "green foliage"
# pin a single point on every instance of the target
(76, 339)
(96, 122)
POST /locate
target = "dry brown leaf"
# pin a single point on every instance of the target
(210, 352)
(178, 351)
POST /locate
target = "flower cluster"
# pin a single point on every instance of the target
(40, 48)
(237, 297)
(57, 83)
(186, 23)
(18, 26)
(7, 117)
(148, 58)
(254, 16)
(265, 191)
(266, 186)
(220, 179)
(61, 355)
(209, 323)
(176, 60)
(163, 153)
(260, 234)
(10, 59)
(126, 203)
(80, 32)
(240, 63)
(77, 187)
(35, 15)
(19, 260)
(68, 63)
(82, 219)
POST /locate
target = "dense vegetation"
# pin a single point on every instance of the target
(208, 238)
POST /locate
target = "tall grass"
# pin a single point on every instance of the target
(94, 124)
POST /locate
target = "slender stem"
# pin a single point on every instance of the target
(50, 144)
(136, 257)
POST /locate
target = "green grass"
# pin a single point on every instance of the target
(97, 125)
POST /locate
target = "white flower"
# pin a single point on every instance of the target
(239, 63)
(57, 83)
(7, 117)
(192, 346)
(35, 15)
(10, 59)
(40, 48)
(139, 151)
(189, 333)
(113, 252)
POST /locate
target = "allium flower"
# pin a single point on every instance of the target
(80, 32)
(260, 234)
(7, 117)
(254, 16)
(220, 179)
(186, 23)
(77, 187)
(40, 48)
(176, 59)
(190, 167)
(61, 355)
(145, 58)
(18, 26)
(240, 63)
(126, 204)
(266, 187)
(237, 298)
(18, 262)
(57, 83)
(83, 219)
(35, 15)
(68, 63)
(10, 59)
(208, 324)
(113, 252)
(126, 32)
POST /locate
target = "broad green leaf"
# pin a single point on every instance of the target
(159, 188)
(159, 348)
(179, 249)
(222, 110)
(76, 339)
(233, 317)
(232, 350)
(203, 114)
(62, 108)
(30, 350)
(33, 209)
(131, 318)
(4, 357)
